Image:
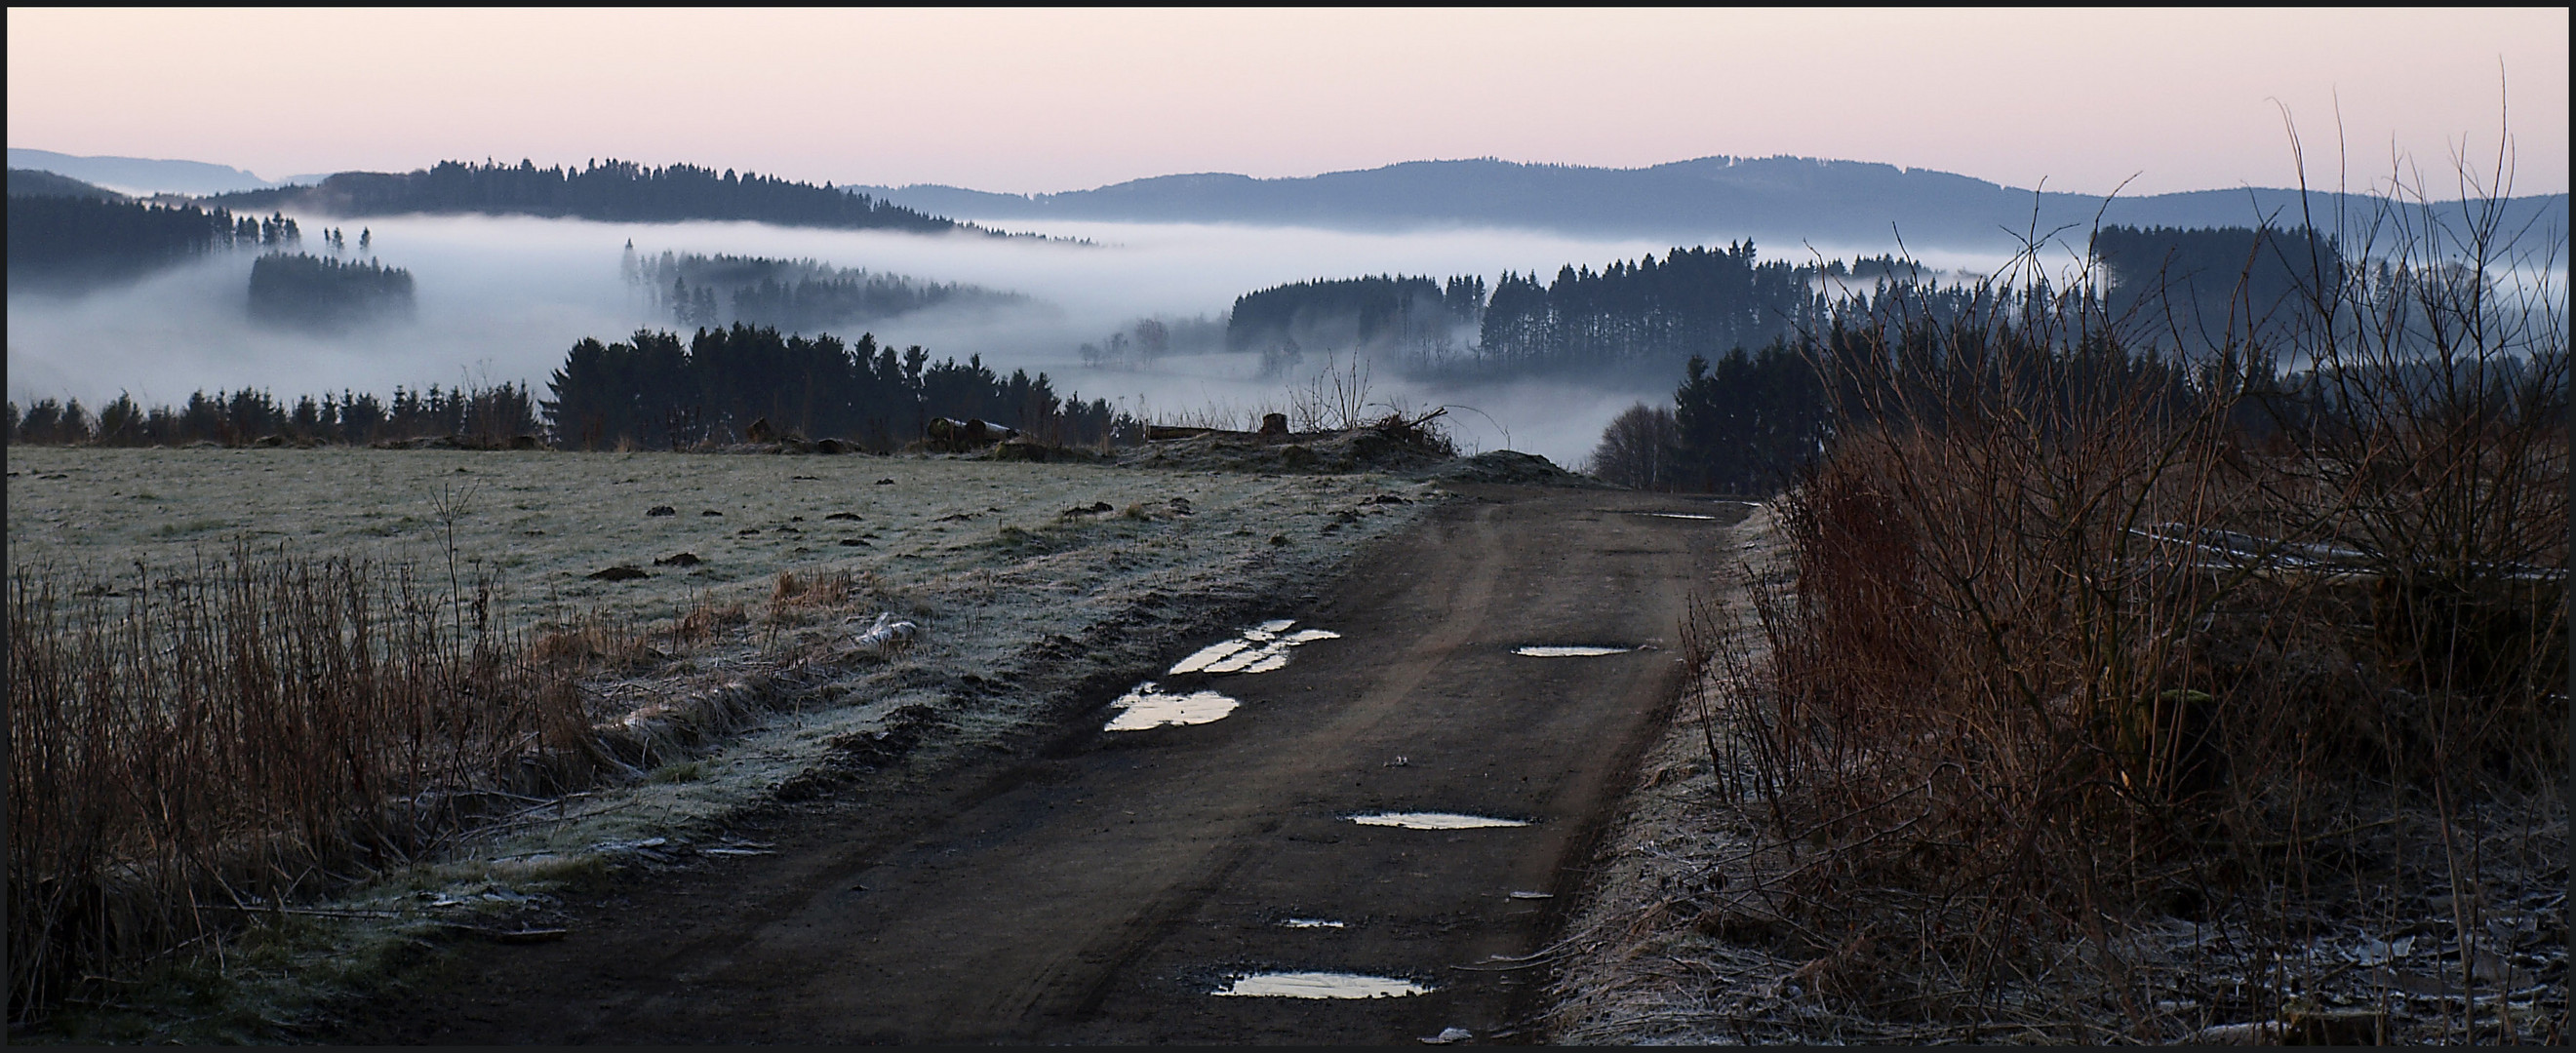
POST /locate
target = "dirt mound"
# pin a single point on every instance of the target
(1357, 450)
(1024, 449)
(1396, 445)
(1510, 466)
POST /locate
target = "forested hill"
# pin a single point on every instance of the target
(1780, 199)
(611, 191)
(30, 182)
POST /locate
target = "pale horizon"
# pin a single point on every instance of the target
(1038, 101)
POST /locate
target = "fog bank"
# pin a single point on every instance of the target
(501, 299)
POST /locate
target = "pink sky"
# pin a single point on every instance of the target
(1022, 100)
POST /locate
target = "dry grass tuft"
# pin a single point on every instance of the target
(195, 749)
(793, 595)
(592, 645)
(705, 620)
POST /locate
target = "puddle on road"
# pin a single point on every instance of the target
(1433, 820)
(1259, 649)
(1311, 923)
(1320, 985)
(1147, 705)
(1570, 652)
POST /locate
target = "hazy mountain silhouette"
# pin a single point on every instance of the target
(146, 176)
(1780, 200)
(1773, 198)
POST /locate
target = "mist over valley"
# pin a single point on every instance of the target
(1334, 526)
(502, 298)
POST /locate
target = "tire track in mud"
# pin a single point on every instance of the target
(1100, 886)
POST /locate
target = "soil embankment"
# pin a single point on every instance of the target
(1101, 889)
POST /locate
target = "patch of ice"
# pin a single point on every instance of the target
(1569, 652)
(1312, 923)
(1149, 706)
(1320, 985)
(1207, 656)
(1260, 649)
(1433, 820)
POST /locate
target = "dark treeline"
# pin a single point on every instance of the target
(309, 292)
(71, 241)
(1649, 315)
(655, 391)
(1412, 316)
(472, 415)
(2199, 290)
(1748, 422)
(613, 191)
(797, 296)
(1629, 317)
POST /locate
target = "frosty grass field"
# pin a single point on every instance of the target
(548, 521)
(1022, 584)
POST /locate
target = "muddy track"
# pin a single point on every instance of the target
(1098, 886)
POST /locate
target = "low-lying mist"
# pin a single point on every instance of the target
(501, 299)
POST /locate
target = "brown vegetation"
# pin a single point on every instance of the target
(194, 749)
(2081, 647)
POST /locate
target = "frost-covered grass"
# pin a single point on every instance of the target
(1023, 585)
(549, 520)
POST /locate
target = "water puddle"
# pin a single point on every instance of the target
(1149, 706)
(1569, 652)
(1433, 820)
(1259, 649)
(1311, 923)
(1321, 985)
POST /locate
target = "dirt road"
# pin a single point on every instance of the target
(1099, 887)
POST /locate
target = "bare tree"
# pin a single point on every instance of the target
(1639, 448)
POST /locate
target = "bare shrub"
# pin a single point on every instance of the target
(267, 726)
(2083, 636)
(1336, 399)
(1638, 449)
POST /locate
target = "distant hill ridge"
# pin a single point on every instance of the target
(147, 176)
(1843, 204)
(610, 191)
(1852, 202)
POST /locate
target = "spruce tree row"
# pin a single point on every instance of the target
(1630, 317)
(67, 241)
(472, 415)
(655, 391)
